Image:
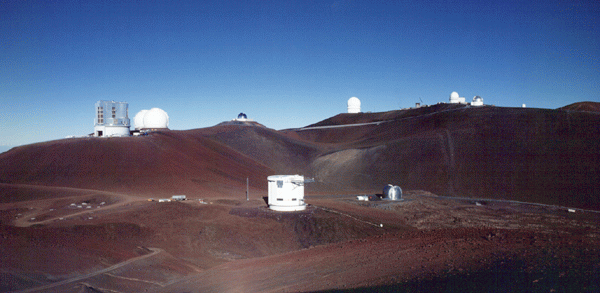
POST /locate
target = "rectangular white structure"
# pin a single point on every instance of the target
(112, 119)
(286, 192)
(178, 197)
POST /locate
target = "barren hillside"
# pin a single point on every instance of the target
(75, 215)
(536, 155)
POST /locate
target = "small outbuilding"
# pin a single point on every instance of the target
(286, 192)
(178, 197)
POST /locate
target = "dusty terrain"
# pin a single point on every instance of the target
(496, 199)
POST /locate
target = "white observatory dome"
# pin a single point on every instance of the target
(477, 101)
(454, 98)
(138, 121)
(354, 105)
(155, 118)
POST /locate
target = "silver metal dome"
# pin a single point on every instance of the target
(392, 192)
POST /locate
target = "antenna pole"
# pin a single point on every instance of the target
(247, 199)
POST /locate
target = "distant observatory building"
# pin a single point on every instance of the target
(392, 192)
(112, 119)
(354, 105)
(286, 192)
(242, 117)
(153, 119)
(456, 99)
(477, 101)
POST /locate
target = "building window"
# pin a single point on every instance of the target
(280, 199)
(279, 183)
(100, 115)
(114, 112)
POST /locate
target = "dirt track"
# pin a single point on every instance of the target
(153, 252)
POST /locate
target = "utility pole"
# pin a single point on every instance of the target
(247, 198)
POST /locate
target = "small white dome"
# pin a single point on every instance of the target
(156, 118)
(477, 101)
(353, 105)
(138, 121)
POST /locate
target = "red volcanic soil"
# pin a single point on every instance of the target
(160, 165)
(423, 243)
(75, 215)
(535, 155)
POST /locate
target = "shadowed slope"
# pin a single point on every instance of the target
(548, 156)
(283, 154)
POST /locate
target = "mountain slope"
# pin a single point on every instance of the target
(162, 163)
(537, 155)
(548, 156)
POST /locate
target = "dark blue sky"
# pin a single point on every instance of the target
(284, 63)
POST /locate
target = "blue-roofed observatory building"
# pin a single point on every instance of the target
(112, 119)
(242, 117)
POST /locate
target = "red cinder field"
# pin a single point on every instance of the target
(494, 199)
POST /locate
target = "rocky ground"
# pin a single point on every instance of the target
(422, 243)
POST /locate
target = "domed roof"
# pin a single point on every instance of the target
(454, 96)
(477, 101)
(138, 121)
(242, 116)
(353, 105)
(354, 102)
(156, 118)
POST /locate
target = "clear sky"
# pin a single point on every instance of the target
(284, 63)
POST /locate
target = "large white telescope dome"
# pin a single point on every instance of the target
(154, 118)
(454, 97)
(354, 105)
(138, 121)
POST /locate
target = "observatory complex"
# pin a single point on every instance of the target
(456, 99)
(354, 105)
(153, 119)
(112, 119)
